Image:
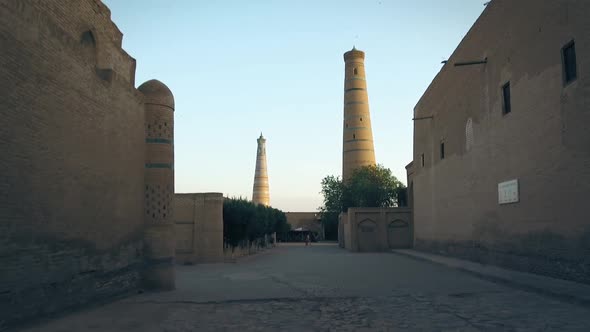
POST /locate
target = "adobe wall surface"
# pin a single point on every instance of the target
(71, 188)
(307, 220)
(544, 143)
(375, 229)
(35, 22)
(199, 228)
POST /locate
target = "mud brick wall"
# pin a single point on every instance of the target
(544, 143)
(198, 219)
(72, 146)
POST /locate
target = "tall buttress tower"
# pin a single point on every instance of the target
(261, 194)
(159, 240)
(357, 143)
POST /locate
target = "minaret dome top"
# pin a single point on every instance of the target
(354, 54)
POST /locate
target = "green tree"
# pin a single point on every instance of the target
(281, 226)
(371, 186)
(238, 217)
(332, 193)
(244, 220)
(368, 186)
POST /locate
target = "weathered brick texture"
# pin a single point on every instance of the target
(73, 151)
(544, 142)
(199, 227)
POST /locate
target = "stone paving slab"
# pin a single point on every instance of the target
(325, 288)
(390, 312)
(558, 288)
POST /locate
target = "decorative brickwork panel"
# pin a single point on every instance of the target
(158, 202)
(159, 129)
(159, 185)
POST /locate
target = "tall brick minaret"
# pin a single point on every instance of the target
(357, 145)
(261, 194)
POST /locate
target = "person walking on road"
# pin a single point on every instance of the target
(307, 240)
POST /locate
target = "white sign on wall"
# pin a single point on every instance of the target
(508, 192)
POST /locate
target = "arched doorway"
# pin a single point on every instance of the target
(367, 235)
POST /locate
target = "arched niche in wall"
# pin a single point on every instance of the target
(398, 234)
(367, 235)
(92, 49)
(89, 47)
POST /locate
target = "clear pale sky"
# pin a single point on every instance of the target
(238, 68)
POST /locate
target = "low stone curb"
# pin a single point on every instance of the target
(563, 290)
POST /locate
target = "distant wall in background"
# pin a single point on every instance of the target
(307, 220)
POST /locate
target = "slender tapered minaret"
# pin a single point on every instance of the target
(261, 194)
(357, 146)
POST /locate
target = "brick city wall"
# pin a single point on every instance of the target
(307, 220)
(375, 229)
(544, 142)
(72, 181)
(199, 228)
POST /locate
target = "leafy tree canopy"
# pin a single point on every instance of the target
(368, 186)
(371, 186)
(244, 220)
